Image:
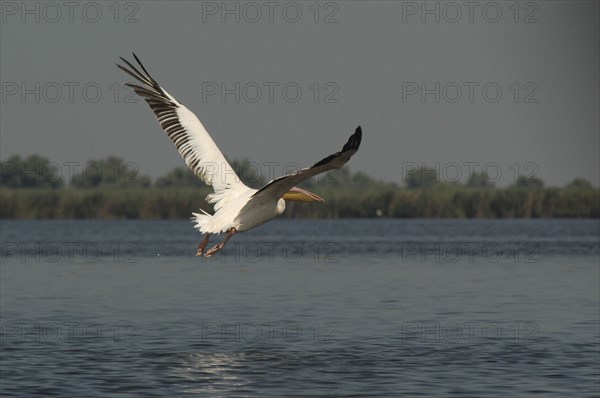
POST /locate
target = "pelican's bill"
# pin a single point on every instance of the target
(301, 195)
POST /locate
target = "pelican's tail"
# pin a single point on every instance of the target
(201, 221)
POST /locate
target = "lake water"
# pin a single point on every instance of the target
(296, 308)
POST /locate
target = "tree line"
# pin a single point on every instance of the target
(112, 188)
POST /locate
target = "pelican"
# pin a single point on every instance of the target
(237, 207)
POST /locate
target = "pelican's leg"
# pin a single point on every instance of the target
(203, 245)
(218, 247)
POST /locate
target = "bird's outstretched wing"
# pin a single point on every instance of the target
(193, 142)
(280, 186)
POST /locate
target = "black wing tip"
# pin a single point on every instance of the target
(354, 140)
(136, 60)
(139, 63)
(142, 76)
(125, 60)
(134, 57)
(352, 145)
(358, 134)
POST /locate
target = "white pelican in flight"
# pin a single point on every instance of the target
(237, 207)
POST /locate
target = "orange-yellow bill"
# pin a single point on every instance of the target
(302, 195)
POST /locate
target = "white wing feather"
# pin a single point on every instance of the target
(193, 142)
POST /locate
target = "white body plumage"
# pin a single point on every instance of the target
(236, 214)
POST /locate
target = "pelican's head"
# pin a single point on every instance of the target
(302, 195)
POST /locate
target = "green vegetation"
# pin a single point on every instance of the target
(110, 172)
(422, 177)
(33, 188)
(479, 180)
(32, 172)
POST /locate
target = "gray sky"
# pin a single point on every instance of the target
(516, 87)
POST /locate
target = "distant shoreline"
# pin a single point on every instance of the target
(443, 201)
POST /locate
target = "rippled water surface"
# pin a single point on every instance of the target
(297, 308)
